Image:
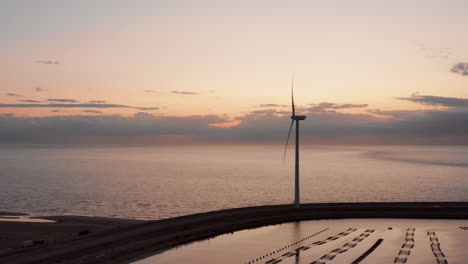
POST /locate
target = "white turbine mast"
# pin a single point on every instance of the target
(295, 118)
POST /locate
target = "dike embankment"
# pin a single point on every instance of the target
(136, 241)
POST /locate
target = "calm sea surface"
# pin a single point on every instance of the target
(166, 181)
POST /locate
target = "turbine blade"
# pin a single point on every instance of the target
(292, 97)
(287, 140)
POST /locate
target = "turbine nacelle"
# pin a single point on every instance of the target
(297, 118)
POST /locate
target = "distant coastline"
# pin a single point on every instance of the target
(124, 241)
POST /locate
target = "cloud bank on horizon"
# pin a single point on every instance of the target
(324, 124)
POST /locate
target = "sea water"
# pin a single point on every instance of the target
(154, 182)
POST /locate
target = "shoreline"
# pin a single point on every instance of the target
(113, 240)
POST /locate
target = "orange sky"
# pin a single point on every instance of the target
(231, 56)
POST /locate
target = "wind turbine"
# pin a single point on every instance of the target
(296, 118)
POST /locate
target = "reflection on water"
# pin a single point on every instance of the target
(442, 156)
(329, 241)
(237, 247)
(166, 181)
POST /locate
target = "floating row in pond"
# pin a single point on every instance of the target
(435, 247)
(344, 248)
(306, 247)
(405, 250)
(286, 247)
(368, 252)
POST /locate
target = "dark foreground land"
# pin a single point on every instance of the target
(124, 241)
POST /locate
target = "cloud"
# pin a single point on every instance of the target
(30, 101)
(325, 106)
(182, 92)
(13, 94)
(63, 100)
(395, 113)
(440, 54)
(436, 100)
(149, 91)
(460, 68)
(49, 62)
(92, 111)
(446, 126)
(7, 115)
(271, 125)
(427, 127)
(272, 105)
(264, 112)
(345, 106)
(73, 128)
(97, 102)
(75, 106)
(38, 89)
(146, 108)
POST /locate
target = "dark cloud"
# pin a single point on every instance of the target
(75, 106)
(182, 92)
(38, 89)
(63, 100)
(63, 128)
(92, 111)
(272, 105)
(436, 100)
(56, 111)
(449, 126)
(460, 68)
(7, 115)
(13, 94)
(271, 125)
(49, 62)
(98, 102)
(150, 91)
(445, 125)
(30, 101)
(428, 127)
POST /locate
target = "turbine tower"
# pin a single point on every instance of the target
(296, 118)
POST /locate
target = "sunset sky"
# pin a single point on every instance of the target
(376, 71)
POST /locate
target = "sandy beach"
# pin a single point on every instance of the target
(125, 241)
(16, 228)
